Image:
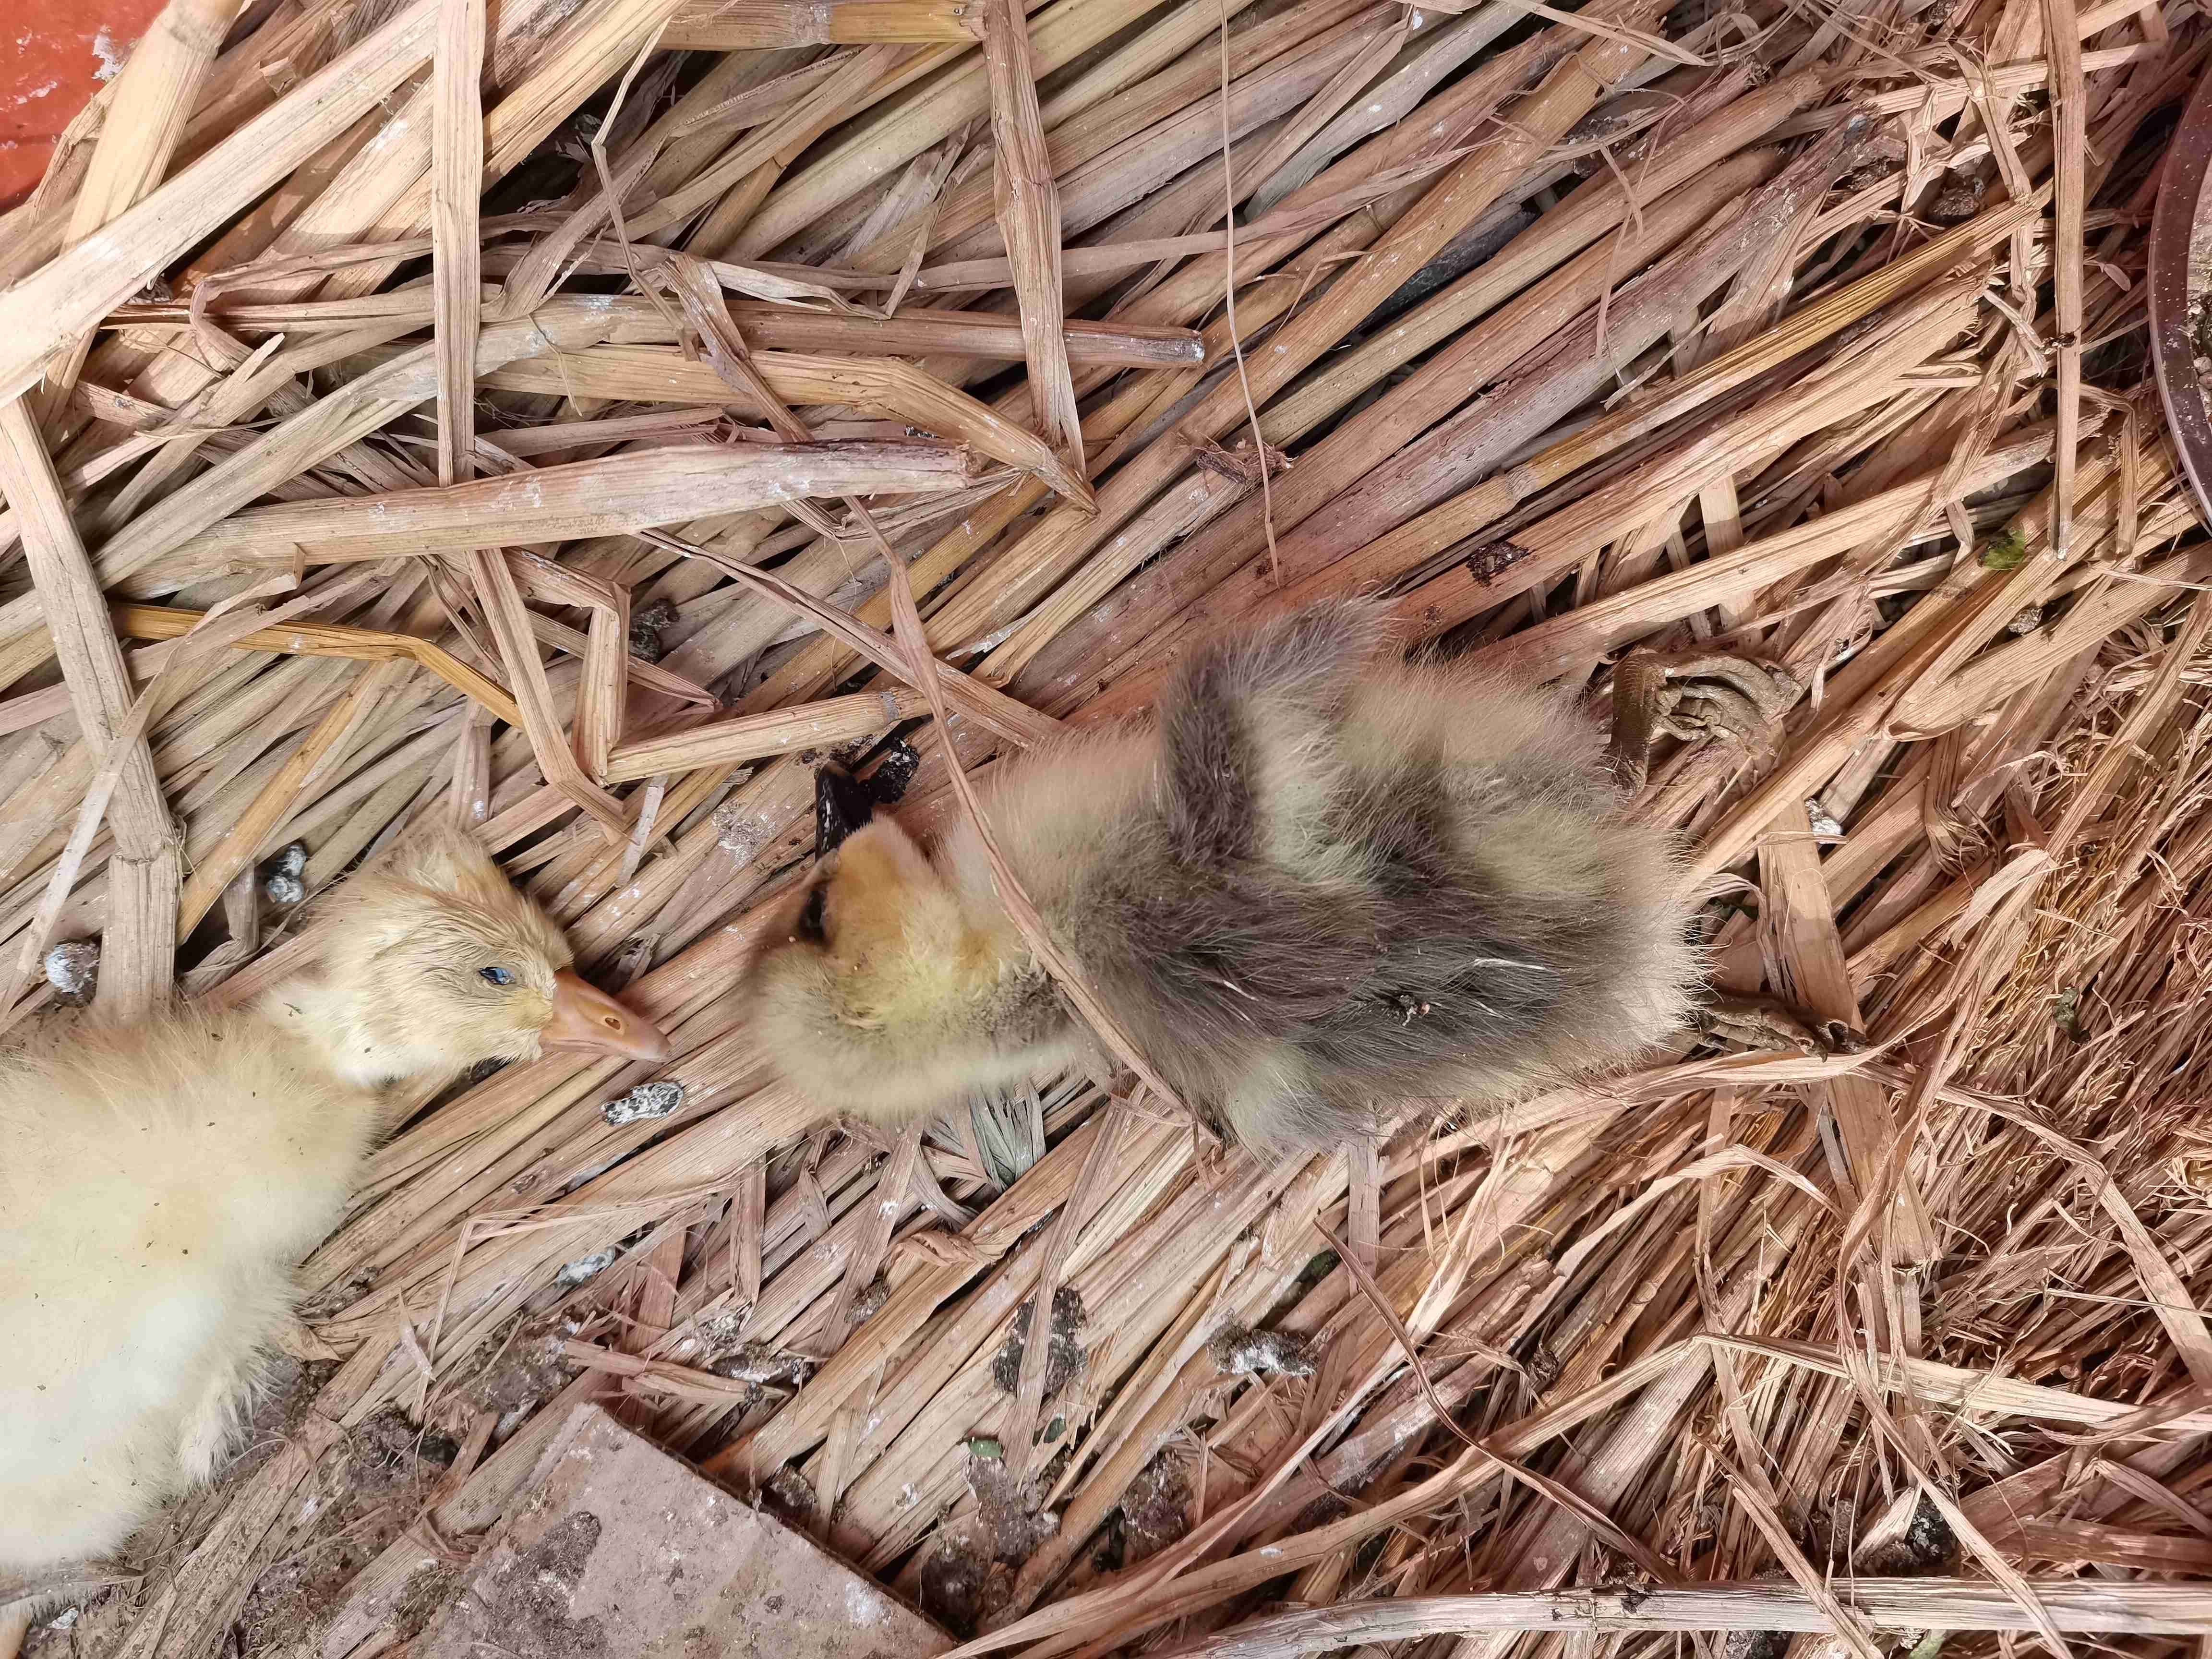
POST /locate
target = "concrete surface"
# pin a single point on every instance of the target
(618, 1551)
(53, 56)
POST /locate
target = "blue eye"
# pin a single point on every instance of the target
(497, 975)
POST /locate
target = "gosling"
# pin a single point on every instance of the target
(159, 1180)
(1326, 878)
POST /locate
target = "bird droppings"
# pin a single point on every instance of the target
(587, 1267)
(659, 1099)
(788, 1496)
(1756, 1644)
(764, 1363)
(520, 1605)
(530, 1370)
(869, 1301)
(953, 1579)
(1155, 1508)
(971, 1573)
(73, 969)
(112, 56)
(647, 624)
(1239, 1351)
(1926, 1545)
(385, 1472)
(1063, 1357)
(284, 877)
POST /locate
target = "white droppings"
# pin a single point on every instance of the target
(588, 1267)
(72, 968)
(111, 56)
(649, 1100)
(861, 1607)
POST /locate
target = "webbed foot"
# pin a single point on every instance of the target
(1691, 695)
(842, 803)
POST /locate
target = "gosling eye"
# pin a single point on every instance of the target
(495, 975)
(812, 917)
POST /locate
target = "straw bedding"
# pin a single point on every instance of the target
(582, 414)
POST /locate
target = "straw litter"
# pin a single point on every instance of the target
(573, 416)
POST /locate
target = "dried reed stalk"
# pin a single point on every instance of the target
(139, 948)
(760, 25)
(1702, 1317)
(148, 105)
(1911, 1603)
(573, 499)
(456, 176)
(43, 313)
(1029, 216)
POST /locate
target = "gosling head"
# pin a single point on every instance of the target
(880, 991)
(433, 962)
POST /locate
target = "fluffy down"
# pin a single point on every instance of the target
(1327, 879)
(158, 1182)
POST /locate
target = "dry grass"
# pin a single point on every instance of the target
(1808, 333)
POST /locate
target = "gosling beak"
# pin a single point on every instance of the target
(585, 1017)
(841, 804)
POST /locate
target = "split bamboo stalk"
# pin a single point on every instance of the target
(772, 327)
(456, 177)
(44, 312)
(1238, 538)
(139, 951)
(573, 499)
(248, 838)
(892, 386)
(765, 24)
(1029, 216)
(1446, 208)
(827, 725)
(1536, 392)
(501, 599)
(150, 103)
(1905, 1603)
(2070, 130)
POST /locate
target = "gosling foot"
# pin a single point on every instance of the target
(1691, 695)
(842, 803)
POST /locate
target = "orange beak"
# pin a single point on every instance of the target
(585, 1017)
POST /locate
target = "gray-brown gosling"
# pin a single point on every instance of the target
(1325, 877)
(159, 1180)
